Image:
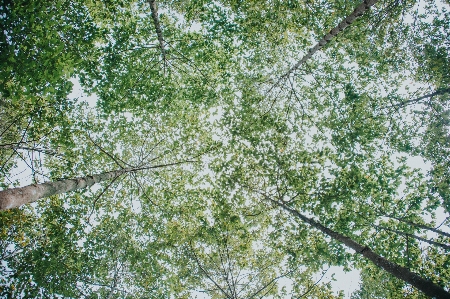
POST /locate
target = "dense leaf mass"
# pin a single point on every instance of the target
(235, 149)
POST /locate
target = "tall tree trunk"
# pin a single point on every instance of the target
(426, 286)
(359, 11)
(15, 197)
(155, 17)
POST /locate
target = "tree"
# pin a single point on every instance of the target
(403, 273)
(332, 34)
(289, 170)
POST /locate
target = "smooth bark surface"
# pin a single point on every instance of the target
(426, 286)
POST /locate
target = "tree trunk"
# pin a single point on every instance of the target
(155, 17)
(359, 11)
(426, 286)
(15, 197)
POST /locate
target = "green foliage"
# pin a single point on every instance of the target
(43, 42)
(218, 135)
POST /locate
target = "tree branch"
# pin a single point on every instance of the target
(426, 286)
(206, 273)
(417, 100)
(446, 247)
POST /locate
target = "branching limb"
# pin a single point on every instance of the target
(422, 226)
(206, 272)
(115, 159)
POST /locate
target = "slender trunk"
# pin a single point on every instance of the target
(155, 17)
(15, 197)
(359, 11)
(426, 286)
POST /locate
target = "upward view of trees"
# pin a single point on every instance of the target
(236, 149)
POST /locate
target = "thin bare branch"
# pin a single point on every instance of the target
(422, 226)
(98, 197)
(206, 272)
(417, 100)
(115, 159)
(444, 246)
(314, 285)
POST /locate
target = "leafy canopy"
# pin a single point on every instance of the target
(212, 109)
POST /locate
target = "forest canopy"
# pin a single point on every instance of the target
(236, 149)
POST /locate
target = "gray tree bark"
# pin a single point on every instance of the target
(15, 197)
